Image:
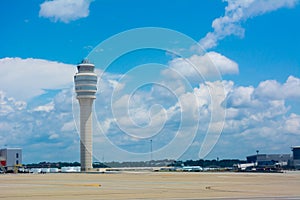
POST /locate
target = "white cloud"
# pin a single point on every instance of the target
(271, 89)
(53, 136)
(253, 122)
(65, 10)
(45, 108)
(26, 125)
(253, 113)
(68, 126)
(249, 108)
(29, 113)
(24, 79)
(292, 124)
(236, 12)
(211, 64)
(241, 97)
(222, 63)
(250, 118)
(9, 104)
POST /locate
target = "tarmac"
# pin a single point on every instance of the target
(150, 185)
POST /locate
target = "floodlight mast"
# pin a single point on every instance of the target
(86, 87)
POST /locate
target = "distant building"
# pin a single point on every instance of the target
(270, 159)
(296, 156)
(10, 157)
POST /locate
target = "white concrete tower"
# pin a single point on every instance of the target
(86, 87)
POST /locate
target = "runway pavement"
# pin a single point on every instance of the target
(150, 185)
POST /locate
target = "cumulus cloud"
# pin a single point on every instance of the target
(265, 106)
(241, 97)
(254, 114)
(9, 104)
(25, 79)
(292, 124)
(271, 89)
(36, 106)
(236, 12)
(45, 108)
(65, 10)
(53, 136)
(250, 118)
(25, 125)
(207, 66)
(253, 122)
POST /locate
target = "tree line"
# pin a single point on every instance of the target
(153, 163)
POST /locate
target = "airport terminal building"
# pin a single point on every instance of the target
(10, 158)
(268, 159)
(296, 157)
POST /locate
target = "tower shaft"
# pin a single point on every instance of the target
(86, 137)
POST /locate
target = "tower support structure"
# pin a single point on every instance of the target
(86, 87)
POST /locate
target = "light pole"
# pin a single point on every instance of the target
(150, 149)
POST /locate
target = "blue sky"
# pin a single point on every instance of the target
(246, 50)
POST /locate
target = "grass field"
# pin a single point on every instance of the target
(150, 185)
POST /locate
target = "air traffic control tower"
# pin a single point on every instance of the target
(85, 87)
